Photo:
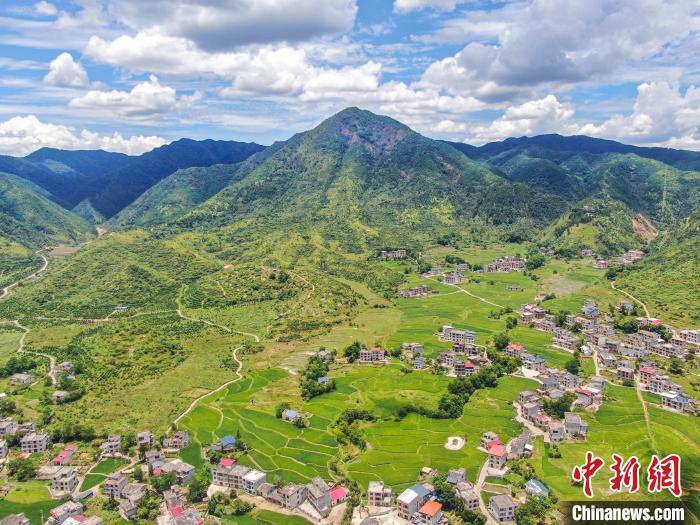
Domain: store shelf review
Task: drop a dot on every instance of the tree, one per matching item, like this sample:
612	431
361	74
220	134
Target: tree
535	261
240	507
7	407
511	322
676	366
280	408
573	366
163	482
197	489
558	407
501	340
21	469
352	352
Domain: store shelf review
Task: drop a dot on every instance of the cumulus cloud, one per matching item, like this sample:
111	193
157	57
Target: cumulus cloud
66	72
545	45
44	8
23	134
145	99
545	115
225	24
404	6
662	115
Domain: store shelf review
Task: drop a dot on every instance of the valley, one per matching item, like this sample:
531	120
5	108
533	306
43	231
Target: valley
231	300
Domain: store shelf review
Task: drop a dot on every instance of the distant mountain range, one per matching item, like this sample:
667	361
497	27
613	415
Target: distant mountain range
365	180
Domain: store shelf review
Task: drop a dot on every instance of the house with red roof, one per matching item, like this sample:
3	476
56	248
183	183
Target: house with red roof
497	455
339	495
646	374
513	350
430	513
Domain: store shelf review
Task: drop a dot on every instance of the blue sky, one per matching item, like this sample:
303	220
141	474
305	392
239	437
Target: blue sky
129	75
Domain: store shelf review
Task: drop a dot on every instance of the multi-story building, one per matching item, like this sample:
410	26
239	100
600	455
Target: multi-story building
458	336
502	507
378	494
34	442
114	485
252	481
179	440
410	500
319	495
112	446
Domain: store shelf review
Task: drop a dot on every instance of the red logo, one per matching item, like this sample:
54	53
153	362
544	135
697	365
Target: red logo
665	474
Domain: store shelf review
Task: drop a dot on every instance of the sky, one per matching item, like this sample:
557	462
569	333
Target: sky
131	75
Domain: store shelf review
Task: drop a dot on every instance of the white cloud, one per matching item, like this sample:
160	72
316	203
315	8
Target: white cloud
225	24
404	6
23	134
545	115
66	72
523	48
44	8
145	99
662	115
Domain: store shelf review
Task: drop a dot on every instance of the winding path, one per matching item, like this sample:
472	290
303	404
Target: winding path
468	293
646	310
21	350
6	291
238	377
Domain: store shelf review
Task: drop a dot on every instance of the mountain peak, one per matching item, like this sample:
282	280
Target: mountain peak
377	134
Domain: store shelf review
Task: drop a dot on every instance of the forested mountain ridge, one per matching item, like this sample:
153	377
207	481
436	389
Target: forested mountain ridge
107	182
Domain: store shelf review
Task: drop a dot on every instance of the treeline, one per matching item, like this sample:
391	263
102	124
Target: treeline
460	389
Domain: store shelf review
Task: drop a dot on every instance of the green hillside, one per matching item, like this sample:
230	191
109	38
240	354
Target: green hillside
366	181
669	278
174	196
29	217
605	226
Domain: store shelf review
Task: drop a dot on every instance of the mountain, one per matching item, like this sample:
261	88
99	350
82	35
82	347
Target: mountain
98	184
682	159
123	185
581	168
365	180
173	196
29	217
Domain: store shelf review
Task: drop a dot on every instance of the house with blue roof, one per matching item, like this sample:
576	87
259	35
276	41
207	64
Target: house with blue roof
536	488
225	444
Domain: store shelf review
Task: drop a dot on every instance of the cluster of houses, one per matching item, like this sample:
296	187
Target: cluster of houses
629	257
418	504
417	291
463	337
315	499
530	409
373	355
507	264
538	317
671	393
393	254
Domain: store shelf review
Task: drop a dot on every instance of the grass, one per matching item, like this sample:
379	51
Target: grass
265	517
100	472
32	498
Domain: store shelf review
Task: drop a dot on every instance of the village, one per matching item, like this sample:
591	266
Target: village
152	474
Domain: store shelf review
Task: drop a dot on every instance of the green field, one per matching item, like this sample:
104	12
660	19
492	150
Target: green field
265	517
30	497
100	472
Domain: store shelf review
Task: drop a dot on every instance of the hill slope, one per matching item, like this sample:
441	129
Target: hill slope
682	159
366	180
98	184
29	217
669	278
174	196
